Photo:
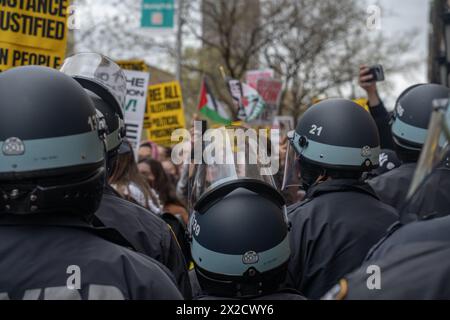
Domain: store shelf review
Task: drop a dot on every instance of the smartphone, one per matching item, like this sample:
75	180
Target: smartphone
377	72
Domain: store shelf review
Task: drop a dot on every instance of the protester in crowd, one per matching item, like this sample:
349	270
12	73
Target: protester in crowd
159	180
171	171
164	153
127	181
376	107
148	149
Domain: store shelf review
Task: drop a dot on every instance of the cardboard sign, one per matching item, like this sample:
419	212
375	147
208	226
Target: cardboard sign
136	65
252	76
165	107
33	33
270	90
137	84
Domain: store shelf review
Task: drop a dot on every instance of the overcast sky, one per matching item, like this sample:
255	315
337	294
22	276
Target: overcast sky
403	15
396	16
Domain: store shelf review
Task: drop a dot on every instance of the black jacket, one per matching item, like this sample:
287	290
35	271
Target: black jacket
382	119
147	233
392	187
332	231
435	230
417	271
42	257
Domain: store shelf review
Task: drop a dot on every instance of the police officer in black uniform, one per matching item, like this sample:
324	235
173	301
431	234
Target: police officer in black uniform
412	260
341	217
429	200
52	173
409	129
105	83
239	229
417	271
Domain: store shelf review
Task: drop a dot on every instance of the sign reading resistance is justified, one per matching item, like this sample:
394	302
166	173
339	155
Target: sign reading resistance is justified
32	33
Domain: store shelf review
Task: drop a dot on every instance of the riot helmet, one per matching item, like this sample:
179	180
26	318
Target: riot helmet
238	225
334	138
52	156
106	84
411	118
428	195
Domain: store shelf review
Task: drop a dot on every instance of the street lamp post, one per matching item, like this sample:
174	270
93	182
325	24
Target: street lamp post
179	41
444	62
443	72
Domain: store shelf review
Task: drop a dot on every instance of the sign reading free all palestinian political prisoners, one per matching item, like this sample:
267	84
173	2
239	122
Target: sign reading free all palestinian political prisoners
165	107
32	32
137	84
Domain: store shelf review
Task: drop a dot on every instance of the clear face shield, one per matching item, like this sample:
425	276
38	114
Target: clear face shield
295	184
227	155
291	177
428	195
94	68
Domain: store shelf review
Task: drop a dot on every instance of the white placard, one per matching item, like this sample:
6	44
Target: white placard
137	88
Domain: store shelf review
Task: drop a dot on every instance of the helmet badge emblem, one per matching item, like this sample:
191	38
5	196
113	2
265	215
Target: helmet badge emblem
366	151
400	110
13	147
250	257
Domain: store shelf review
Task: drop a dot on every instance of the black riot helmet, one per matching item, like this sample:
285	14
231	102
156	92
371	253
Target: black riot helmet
411	117
105	82
52	150
238	227
428	195
335	138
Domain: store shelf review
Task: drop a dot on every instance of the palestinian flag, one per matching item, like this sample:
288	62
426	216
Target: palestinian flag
211	108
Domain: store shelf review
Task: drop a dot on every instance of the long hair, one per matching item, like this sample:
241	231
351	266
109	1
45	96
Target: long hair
162	183
126	174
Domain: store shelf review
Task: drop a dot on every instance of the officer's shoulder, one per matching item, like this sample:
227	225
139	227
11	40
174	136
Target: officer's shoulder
151	273
402	171
423	230
138	260
127	207
104	249
297	207
420	268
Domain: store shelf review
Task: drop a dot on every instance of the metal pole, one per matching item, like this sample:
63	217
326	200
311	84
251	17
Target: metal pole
179	40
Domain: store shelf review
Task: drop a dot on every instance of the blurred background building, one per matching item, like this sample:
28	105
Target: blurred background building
439	42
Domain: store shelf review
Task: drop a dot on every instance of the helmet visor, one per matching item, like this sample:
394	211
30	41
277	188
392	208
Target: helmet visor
428	194
230	154
99	69
291	176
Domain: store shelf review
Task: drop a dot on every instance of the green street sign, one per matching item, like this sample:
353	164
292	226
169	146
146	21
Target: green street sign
158	14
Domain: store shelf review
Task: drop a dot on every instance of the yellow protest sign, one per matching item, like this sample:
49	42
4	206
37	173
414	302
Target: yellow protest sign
33	32
363	102
165	111
136	65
